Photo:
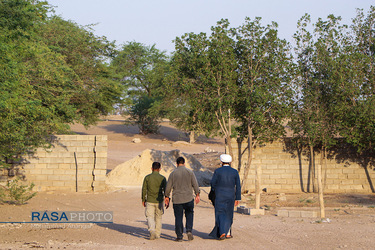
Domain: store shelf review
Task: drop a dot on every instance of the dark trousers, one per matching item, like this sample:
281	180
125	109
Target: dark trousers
179	210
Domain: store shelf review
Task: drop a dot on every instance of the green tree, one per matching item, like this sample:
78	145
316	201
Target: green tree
207	76
264	96
142	70
40	92
323	76
95	87
356	95
25	121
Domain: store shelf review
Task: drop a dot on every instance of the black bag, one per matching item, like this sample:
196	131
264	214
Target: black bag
211	196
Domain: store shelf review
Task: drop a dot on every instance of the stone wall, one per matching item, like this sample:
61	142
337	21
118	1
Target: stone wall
287	171
74	163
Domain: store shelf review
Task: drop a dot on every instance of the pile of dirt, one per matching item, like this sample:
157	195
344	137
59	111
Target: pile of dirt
132	173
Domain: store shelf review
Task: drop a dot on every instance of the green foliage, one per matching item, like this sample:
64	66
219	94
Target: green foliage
20	15
265	95
2	194
356	98
52	73
17	193
335	81
92	86
142	71
206	80
142	115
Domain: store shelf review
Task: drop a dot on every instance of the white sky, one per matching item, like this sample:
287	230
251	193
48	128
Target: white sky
161	21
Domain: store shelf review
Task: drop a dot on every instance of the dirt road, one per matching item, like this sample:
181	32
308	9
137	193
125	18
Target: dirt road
351	226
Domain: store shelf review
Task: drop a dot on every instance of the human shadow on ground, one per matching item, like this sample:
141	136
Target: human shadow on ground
141	232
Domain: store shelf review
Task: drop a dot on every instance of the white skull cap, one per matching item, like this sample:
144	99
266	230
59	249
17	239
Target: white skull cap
225	158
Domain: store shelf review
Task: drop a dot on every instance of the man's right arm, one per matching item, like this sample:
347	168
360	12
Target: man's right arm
194	183
168	190
144	190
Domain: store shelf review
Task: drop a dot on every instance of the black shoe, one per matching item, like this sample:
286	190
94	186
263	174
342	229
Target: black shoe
178	239
190	236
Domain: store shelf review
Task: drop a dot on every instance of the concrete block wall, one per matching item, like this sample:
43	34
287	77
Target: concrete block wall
74	163
284	171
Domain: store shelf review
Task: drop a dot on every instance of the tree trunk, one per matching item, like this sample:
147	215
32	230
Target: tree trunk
320	186
312	171
229	139
226	131
249	158
258	175
191	137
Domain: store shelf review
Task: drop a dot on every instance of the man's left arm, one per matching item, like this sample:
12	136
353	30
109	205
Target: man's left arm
238	190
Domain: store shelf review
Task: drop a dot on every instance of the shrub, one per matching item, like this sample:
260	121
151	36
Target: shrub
18	193
2	194
144	117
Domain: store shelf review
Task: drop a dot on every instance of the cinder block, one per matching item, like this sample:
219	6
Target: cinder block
101	154
63	166
287	176
88	154
70	172
281	181
293	213
101	144
88	143
347	171
69	160
100	177
254	211
309	214
84	149
99	188
243	210
353	176
268	181
292	181
41	154
67	177
346	182
101	166
356	187
58	183
40	177
70	183
101	160
279	172
52	177
85	177
47	171
54	165
76	143
35	171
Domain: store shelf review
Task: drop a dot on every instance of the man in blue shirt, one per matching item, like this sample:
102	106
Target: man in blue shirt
226	184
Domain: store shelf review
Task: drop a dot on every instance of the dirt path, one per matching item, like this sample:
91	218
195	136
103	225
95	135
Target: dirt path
352	230
351	226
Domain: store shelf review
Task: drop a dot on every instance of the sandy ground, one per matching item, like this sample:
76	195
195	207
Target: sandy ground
351	216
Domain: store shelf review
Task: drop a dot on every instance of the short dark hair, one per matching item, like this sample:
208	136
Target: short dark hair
156	165
180	160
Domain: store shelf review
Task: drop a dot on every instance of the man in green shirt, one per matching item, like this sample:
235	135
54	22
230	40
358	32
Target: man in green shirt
153	190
